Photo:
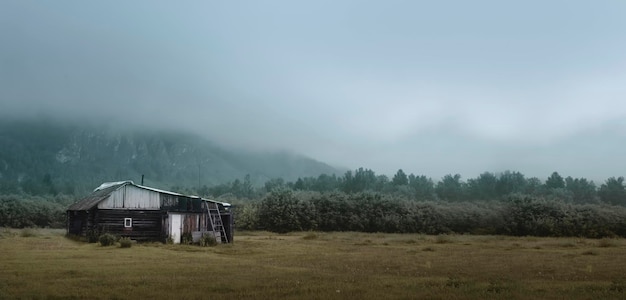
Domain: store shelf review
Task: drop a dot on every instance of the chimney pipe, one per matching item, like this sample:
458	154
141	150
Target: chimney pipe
141	179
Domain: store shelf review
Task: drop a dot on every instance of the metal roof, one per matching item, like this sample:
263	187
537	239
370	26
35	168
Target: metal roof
95	197
104	191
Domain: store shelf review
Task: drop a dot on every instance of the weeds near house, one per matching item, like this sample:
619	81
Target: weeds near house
186	238
93	236
126	242
107	239
207	240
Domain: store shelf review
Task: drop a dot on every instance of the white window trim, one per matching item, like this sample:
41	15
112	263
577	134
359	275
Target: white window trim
128	222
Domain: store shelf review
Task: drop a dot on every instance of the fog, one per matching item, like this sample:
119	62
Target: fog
432	88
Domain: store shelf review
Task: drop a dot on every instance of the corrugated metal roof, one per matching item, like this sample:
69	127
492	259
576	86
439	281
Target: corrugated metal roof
104	191
95	198
109	184
176	194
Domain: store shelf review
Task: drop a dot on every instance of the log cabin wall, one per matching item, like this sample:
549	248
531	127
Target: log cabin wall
136	224
141	213
78	223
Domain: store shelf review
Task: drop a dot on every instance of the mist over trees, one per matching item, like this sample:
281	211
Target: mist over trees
51	156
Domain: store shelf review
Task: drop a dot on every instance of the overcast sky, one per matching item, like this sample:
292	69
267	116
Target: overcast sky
432	87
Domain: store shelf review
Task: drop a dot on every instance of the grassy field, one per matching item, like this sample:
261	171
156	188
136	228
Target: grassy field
43	264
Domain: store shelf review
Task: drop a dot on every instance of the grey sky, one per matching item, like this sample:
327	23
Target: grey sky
432	87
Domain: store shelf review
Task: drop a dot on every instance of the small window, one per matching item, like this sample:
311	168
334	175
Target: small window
128	222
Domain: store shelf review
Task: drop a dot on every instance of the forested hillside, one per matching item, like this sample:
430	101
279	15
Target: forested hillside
53	157
45	166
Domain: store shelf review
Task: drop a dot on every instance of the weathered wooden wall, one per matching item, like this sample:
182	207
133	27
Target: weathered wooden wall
227	220
132	197
146	224
79	222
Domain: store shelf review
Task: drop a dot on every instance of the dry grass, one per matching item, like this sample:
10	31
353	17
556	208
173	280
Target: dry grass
317	265
607	242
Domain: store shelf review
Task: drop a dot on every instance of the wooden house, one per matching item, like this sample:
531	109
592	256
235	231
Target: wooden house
148	214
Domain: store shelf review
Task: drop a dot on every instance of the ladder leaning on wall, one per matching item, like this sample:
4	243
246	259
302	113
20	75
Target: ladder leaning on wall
215	219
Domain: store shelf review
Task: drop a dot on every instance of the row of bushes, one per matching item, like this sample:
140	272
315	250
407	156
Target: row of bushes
108	239
33	211
519	215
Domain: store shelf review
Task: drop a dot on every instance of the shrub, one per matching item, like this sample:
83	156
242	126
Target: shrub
169	240
247	216
92	236
310	236
107	239
607	242
126	242
186	238
279	212
443	239
28	232
207	240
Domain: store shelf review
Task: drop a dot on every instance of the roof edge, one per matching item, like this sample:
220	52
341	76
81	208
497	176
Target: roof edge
130	182
110	184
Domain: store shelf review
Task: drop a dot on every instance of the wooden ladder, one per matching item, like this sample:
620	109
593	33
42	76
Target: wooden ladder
215	218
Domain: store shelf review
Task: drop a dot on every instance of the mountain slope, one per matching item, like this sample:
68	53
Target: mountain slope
38	155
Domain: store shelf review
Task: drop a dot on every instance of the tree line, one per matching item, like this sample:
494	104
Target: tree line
19	211
506	203
451	188
361	200
487	186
